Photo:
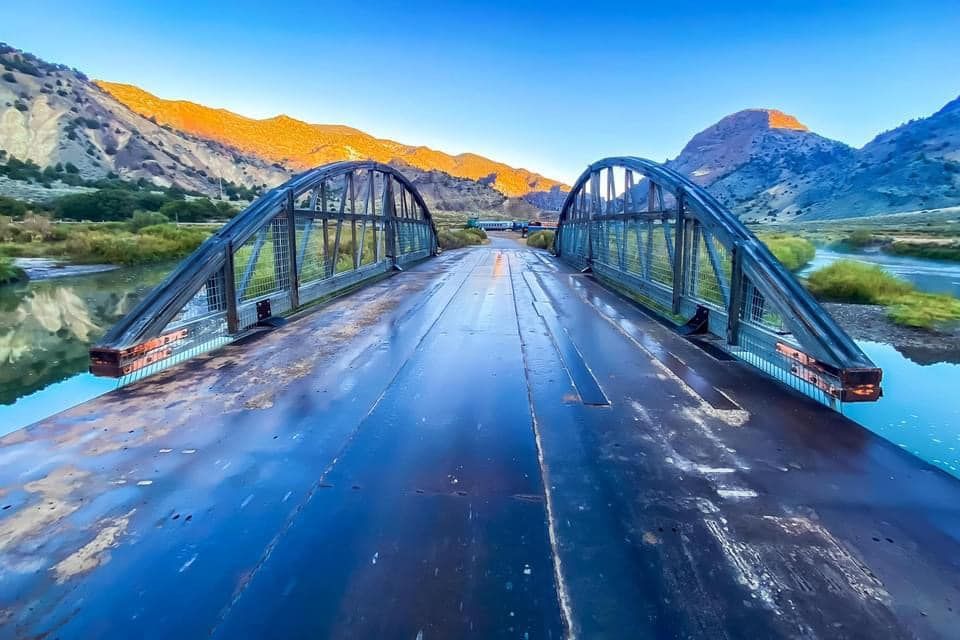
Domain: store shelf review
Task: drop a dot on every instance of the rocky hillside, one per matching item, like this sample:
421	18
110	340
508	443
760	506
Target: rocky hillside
301	145
763	163
52	114
767	166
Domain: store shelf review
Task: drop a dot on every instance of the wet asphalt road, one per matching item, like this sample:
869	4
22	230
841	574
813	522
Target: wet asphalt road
487	445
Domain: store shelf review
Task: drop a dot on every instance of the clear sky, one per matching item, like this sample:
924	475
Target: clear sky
550	86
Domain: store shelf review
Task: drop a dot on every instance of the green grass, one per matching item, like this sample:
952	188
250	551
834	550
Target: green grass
852	281
541	239
794	252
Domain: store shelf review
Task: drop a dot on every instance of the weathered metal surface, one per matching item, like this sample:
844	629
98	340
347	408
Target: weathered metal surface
708	263
415	460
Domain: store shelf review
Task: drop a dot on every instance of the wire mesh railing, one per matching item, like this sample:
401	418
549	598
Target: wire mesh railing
651	232
323	231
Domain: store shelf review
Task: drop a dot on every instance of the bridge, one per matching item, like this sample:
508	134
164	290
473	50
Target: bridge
329	428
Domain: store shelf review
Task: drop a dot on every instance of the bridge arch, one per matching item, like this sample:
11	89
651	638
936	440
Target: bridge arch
322	231
667	242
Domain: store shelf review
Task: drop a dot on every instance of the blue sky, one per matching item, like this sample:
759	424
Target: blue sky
547	86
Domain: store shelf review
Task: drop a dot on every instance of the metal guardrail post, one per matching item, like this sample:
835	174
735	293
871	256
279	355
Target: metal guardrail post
293	277
679	256
230	290
735	309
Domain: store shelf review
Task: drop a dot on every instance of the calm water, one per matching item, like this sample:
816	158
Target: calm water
47	325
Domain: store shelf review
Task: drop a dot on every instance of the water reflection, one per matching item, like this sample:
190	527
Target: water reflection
919	411
46	327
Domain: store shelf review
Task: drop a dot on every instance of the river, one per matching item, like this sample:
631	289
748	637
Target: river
46	327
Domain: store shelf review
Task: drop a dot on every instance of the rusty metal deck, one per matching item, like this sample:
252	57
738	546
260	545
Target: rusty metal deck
487	445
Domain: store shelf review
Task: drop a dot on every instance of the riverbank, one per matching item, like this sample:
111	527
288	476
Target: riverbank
870	322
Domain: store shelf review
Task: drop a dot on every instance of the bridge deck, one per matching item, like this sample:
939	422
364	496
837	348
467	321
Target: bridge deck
377	468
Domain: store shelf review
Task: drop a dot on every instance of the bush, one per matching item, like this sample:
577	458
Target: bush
859	238
793	252
852	281
10	273
9	77
142	219
20	105
457	238
541	239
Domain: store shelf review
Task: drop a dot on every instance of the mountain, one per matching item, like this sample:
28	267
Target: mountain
301	145
52	114
767	166
763	162
915	166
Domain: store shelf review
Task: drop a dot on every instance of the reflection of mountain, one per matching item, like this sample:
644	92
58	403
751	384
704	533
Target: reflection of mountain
46	327
929	355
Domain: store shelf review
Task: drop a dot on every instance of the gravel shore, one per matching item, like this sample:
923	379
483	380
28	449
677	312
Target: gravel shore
870	322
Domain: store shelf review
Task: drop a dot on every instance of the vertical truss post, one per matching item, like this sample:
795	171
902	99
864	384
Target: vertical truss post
693	265
229	290
293	277
324	227
347	187
735	308
679	256
390	221
353	220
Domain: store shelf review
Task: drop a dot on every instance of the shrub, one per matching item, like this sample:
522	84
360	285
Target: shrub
541	239
852	281
19	105
859	238
457	238
793	252
9	77
142	219
71	168
9	272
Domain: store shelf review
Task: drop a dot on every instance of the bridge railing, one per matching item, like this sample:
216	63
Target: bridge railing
323	231
665	241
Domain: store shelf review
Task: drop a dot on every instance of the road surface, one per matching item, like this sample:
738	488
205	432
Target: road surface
487	445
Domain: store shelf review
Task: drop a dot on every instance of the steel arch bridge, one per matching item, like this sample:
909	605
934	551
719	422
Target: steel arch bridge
324	230
664	240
